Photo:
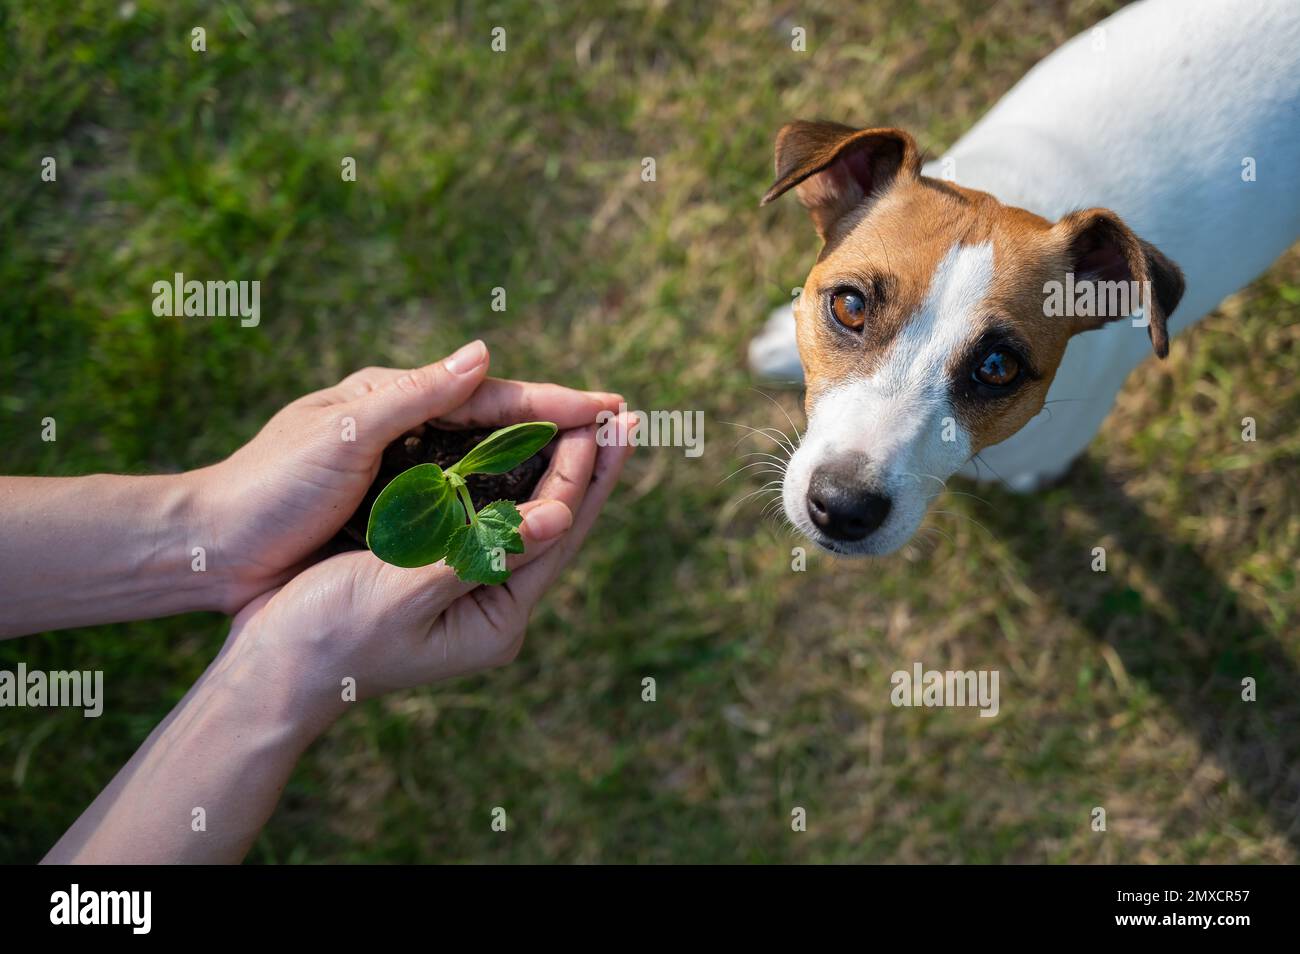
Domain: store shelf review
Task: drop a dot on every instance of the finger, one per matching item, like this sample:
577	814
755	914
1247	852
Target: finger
427	591
498	402
457	640
526	587
413	397
565	482
360	383
486	628
506	607
483	627
356	385
569	472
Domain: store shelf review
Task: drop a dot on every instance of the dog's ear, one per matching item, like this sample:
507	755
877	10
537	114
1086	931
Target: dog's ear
1101	248
833	167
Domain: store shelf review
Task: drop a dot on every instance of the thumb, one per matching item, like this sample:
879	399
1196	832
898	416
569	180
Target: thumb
419	395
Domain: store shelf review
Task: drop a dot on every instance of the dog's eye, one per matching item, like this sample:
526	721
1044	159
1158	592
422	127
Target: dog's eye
849	308
999	368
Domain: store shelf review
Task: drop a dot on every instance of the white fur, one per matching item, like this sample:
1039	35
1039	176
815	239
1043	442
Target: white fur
1151	114
896	420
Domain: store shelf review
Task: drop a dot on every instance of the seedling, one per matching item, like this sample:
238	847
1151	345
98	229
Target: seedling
425	514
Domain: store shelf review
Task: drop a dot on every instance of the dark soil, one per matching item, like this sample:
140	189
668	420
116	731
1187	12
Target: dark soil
433	445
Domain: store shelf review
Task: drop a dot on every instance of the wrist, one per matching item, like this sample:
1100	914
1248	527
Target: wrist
194	511
287	695
102	549
210	521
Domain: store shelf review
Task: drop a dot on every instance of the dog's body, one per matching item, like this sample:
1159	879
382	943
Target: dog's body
1181	117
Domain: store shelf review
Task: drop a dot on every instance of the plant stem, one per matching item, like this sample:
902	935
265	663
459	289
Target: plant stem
466	500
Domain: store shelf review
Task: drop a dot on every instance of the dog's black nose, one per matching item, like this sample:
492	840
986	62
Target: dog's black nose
842	508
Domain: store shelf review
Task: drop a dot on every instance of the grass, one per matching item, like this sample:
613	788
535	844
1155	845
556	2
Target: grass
522	170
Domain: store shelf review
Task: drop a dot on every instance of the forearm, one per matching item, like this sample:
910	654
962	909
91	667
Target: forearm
75	551
200	788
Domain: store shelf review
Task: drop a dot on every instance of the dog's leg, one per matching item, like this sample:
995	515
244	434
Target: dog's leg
774	353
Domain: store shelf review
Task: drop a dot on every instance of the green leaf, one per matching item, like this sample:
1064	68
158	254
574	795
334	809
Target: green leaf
505	449
478	550
414	517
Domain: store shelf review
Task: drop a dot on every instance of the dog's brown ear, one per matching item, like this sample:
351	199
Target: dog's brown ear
835	167
1101	248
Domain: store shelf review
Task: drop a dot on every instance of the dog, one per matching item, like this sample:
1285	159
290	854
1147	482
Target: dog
1156	155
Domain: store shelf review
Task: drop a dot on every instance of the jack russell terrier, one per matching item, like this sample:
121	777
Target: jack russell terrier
1124	187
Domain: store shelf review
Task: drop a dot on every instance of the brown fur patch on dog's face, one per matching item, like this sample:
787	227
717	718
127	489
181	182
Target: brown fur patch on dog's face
889	253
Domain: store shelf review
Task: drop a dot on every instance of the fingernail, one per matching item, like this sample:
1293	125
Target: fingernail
632	423
466	359
548	519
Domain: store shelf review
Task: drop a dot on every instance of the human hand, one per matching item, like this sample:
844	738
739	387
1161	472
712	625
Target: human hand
269	508
281	676
388	628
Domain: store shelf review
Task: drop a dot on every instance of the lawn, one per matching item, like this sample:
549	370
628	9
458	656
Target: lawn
522	170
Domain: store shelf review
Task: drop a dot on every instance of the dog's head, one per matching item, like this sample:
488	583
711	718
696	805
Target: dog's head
930	326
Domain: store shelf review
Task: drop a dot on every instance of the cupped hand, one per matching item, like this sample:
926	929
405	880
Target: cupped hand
269	508
353	617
